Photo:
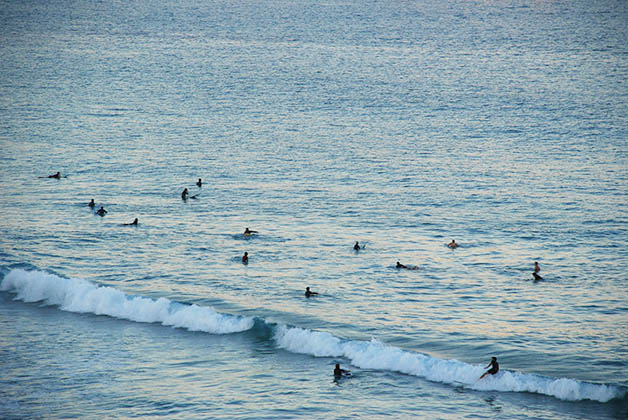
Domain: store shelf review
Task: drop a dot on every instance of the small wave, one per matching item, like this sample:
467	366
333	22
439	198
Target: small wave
82	296
376	355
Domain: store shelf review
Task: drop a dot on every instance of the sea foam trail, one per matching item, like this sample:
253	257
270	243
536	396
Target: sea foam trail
376	355
78	295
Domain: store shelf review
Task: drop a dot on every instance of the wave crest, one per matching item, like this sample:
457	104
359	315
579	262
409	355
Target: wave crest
79	295
376	355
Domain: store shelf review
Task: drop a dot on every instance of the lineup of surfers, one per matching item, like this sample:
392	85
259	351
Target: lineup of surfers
338	372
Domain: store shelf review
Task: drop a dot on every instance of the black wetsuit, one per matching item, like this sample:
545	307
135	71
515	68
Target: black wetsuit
494	367
340	372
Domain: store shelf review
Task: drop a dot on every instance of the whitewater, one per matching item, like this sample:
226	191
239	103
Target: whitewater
78	295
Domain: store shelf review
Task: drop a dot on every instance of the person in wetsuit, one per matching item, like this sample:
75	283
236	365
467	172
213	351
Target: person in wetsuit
248	232
453	244
101	211
338	373
133	223
245	258
356	246
184	194
309	293
92	204
535	273
494	367
399	265
199	183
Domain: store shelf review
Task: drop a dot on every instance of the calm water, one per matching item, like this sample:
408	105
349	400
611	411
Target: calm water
400	125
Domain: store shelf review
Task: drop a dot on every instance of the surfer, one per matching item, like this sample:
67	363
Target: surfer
92	204
199	183
56	176
249	232
101	211
536	271
356	246
339	373
245	258
494	367
309	293
184	194
453	244
407	267
133	223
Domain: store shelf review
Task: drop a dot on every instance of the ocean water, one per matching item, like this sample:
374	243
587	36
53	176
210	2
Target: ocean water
401	125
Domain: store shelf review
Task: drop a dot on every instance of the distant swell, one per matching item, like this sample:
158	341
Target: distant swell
78	295
376	355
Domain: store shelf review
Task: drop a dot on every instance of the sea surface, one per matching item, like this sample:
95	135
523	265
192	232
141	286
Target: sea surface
398	124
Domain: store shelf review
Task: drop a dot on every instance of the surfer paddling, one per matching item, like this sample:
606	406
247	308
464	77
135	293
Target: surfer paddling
452	244
249	232
55	176
133	223
399	266
494	367
309	293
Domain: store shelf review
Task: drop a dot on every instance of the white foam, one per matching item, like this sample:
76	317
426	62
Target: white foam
78	295
376	355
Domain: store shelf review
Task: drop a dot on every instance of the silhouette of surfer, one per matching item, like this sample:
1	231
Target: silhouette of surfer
494	367
357	246
339	373
536	271
245	258
199	183
309	293
92	204
133	223
184	194
101	211
452	244
56	176
249	232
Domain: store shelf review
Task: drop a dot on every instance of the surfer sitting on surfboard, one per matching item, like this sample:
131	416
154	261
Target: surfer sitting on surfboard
535	274
494	367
